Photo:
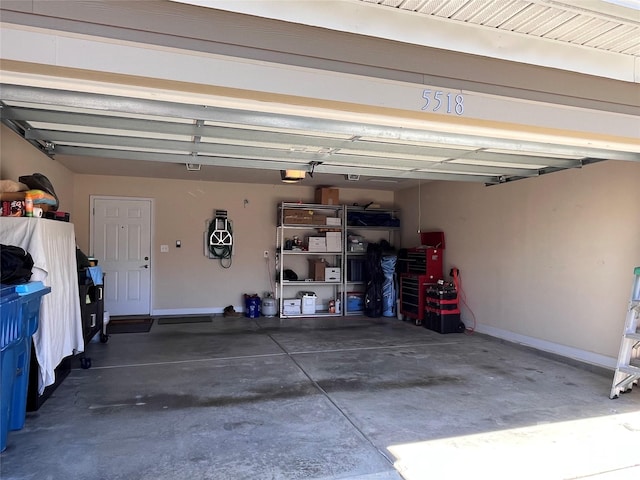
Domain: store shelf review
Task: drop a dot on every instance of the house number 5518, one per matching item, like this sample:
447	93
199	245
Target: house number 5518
436	100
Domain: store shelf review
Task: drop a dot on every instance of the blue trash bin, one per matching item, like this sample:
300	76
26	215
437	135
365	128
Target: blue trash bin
10	336
31	297
252	306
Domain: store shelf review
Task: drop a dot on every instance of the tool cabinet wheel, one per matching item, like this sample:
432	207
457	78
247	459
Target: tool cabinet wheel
104	338
85	363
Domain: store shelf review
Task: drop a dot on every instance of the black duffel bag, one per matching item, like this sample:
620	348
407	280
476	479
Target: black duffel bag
17	265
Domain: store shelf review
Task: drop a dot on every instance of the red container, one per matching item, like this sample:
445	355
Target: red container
413	295
426	261
432	239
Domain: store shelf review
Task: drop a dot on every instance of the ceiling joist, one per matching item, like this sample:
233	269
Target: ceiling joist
106	126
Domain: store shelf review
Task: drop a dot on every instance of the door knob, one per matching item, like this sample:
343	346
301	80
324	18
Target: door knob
144	266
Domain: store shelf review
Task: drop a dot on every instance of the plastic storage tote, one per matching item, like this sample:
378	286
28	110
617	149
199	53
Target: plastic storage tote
10	336
31	297
252	306
19	318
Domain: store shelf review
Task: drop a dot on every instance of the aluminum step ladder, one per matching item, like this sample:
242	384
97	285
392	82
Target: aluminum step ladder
628	367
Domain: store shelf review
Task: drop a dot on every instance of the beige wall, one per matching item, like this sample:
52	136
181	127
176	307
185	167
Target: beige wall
545	261
18	157
183	279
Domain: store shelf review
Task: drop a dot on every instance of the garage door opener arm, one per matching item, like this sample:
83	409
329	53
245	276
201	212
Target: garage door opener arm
627	374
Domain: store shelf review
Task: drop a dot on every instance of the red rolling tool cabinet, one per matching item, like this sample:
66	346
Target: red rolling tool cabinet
424	269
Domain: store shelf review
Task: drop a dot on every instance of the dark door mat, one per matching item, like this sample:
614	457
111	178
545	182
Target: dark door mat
129	325
173	320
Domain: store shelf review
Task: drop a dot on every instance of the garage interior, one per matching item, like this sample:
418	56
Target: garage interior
511	126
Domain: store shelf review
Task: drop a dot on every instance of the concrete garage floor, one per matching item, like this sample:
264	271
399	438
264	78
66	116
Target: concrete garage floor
349	398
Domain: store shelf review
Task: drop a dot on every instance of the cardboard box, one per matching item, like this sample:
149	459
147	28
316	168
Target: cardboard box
334	221
13	208
333	241
291	306
296	216
316	244
318	219
332	274
301	216
316	269
328	196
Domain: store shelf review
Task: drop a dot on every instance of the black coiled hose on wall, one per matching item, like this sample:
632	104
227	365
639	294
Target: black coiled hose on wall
221	252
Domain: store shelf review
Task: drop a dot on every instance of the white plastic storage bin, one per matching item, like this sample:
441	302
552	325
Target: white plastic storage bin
333	241
291	306
317	244
308	304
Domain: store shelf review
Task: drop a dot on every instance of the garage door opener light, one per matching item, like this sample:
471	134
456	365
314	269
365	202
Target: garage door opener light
292	176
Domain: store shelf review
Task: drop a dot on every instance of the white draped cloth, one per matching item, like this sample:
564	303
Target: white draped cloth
52	244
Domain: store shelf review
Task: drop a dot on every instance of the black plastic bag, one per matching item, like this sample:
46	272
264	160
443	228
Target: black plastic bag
17	265
375	279
290	275
82	260
38	181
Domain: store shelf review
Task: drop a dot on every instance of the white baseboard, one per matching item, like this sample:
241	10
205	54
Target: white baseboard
555	348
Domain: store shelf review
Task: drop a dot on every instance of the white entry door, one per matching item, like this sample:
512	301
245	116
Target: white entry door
121	242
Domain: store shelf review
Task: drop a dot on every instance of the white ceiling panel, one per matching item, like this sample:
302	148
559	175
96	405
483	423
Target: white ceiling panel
578	23
547	22
450	8
615	38
523	20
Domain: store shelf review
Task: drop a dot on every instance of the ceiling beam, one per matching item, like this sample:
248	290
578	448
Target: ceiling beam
391	164
119	123
134	106
267	165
